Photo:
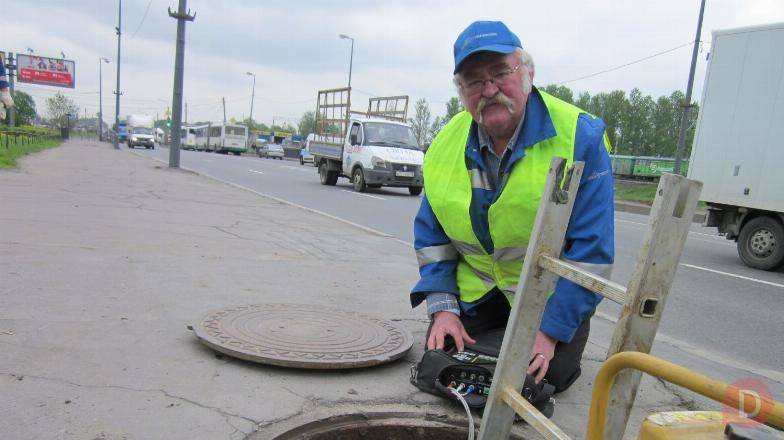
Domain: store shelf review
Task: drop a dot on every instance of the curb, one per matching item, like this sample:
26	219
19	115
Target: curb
642	209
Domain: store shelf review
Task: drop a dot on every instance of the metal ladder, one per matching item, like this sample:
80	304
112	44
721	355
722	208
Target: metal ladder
643	299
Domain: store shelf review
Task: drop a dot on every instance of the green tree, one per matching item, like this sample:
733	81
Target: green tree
637	125
614	105
666	120
421	122
561	92
59	108
25	108
307	123
435	127
251	124
453	107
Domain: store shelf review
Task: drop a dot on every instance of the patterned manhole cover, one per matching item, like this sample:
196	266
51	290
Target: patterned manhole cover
303	336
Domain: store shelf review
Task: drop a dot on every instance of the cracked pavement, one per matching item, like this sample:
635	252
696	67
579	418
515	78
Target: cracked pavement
106	258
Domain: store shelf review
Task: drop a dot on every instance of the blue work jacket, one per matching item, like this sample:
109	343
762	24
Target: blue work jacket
589	237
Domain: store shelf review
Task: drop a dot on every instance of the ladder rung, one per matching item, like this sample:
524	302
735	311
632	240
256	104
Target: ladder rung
590	281
532	416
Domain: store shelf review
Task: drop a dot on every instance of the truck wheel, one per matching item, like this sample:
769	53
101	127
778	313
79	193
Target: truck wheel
415	190
327	177
358	179
761	243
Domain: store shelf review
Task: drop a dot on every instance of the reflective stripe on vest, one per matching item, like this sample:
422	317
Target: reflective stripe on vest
448	186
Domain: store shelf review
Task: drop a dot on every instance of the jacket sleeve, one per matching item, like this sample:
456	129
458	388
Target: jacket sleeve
590	241
3	76
436	256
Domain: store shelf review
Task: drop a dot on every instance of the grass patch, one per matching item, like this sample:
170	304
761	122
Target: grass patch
9	155
642	192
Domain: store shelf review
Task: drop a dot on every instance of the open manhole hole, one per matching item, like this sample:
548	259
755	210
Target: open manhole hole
382	426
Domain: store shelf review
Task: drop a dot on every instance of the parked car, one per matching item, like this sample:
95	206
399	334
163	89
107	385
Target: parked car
268	150
305	157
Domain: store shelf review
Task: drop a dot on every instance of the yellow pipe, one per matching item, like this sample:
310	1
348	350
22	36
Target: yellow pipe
719	391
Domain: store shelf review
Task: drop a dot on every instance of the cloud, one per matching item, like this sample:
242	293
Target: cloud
402	47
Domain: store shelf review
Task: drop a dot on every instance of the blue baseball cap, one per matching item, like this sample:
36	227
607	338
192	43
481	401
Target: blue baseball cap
479	36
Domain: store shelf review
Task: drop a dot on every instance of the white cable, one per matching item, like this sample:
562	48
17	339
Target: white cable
468	412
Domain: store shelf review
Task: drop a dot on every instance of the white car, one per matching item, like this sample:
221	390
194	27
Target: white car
274	151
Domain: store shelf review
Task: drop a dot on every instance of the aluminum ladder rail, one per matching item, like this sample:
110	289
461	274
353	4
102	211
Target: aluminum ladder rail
643	299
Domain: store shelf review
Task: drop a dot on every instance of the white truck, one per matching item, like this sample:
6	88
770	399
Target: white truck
141	131
372	149
738	150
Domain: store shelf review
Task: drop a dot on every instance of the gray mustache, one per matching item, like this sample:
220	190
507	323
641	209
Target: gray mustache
499	98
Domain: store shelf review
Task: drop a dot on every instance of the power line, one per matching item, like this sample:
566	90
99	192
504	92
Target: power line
143	18
627	64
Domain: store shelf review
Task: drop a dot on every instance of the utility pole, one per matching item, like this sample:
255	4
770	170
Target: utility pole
224	110
186	112
179	66
11	73
687	103
351	60
117	92
100	97
252	95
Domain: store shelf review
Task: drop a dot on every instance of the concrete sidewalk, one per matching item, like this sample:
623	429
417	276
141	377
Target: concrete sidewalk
105	259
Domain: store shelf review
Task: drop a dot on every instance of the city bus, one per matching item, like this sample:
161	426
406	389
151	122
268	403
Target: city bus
188	138
220	138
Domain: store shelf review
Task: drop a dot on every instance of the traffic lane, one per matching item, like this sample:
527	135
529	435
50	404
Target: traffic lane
388	210
708	309
704	250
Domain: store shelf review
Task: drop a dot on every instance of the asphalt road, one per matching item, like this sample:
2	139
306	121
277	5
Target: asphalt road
718	310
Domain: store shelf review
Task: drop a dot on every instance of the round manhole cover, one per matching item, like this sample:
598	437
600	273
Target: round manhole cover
303	336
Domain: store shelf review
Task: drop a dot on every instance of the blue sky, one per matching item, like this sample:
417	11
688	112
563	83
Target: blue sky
401	47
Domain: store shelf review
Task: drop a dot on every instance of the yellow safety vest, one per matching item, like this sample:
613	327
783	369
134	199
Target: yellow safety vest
448	185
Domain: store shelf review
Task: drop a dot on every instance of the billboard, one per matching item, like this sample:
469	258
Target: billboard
45	71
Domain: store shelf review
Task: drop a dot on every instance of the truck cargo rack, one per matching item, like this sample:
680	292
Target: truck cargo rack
332	114
394	108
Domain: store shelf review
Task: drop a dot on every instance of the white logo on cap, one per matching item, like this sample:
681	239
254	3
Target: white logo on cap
470	39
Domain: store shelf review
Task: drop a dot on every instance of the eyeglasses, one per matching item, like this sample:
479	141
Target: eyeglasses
499	79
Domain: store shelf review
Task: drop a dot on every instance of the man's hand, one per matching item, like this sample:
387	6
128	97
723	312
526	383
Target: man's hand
543	352
447	323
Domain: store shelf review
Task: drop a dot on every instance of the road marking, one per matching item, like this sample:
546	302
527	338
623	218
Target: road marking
712	241
256	171
733	275
296	169
709	355
363	195
716	238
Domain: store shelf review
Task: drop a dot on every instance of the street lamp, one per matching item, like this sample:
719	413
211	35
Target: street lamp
351	60
100	98
252	95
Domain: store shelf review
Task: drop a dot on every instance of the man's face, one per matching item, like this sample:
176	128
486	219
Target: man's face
498	108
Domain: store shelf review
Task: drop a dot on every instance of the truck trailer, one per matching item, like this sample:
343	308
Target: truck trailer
372	149
738	150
